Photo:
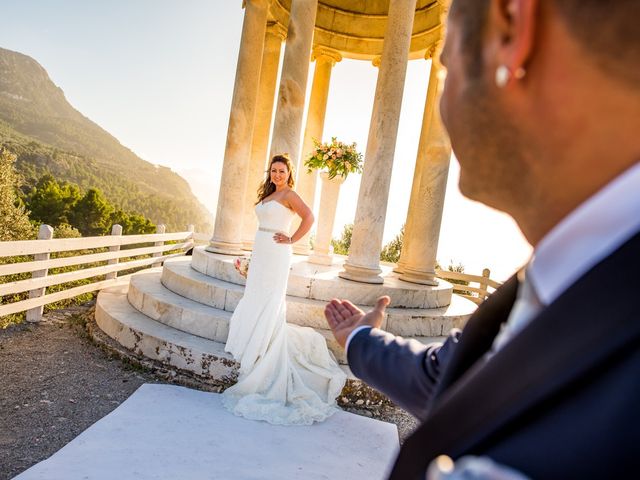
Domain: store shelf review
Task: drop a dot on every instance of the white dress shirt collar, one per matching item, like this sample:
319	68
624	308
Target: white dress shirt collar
586	236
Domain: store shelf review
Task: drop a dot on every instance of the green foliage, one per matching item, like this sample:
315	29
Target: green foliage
62	203
14	220
341	245
92	214
391	251
132	223
50	137
51	202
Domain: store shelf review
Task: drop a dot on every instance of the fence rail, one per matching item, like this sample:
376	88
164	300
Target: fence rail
113	261
116	259
462	284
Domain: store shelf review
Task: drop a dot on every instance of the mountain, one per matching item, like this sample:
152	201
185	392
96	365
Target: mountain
48	135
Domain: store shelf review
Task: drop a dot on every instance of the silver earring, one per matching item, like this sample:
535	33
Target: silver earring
502	76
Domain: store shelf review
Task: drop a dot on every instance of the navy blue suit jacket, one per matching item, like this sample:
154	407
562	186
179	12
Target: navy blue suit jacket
561	400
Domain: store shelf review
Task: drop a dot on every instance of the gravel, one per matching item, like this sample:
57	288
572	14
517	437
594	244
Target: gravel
56	382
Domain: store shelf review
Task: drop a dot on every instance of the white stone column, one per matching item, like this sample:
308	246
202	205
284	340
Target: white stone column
276	33
432	94
293	80
421	245
306	182
363	264
227	232
329	203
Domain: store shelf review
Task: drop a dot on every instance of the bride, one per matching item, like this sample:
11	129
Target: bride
287	375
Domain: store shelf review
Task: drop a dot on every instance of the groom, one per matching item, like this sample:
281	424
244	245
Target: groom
542	103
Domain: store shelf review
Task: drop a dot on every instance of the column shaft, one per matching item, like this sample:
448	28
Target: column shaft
363	264
421	247
329	197
227	231
262	125
306	182
293	80
432	94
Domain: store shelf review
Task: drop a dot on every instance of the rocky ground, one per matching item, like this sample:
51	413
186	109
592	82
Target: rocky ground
55	382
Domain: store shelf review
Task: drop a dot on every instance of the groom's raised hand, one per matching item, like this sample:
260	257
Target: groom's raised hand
343	317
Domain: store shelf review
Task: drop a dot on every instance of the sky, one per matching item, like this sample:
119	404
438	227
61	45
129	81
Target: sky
159	76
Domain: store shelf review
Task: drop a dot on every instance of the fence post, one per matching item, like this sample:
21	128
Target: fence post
159	229
115	230
35	314
485	285
191	229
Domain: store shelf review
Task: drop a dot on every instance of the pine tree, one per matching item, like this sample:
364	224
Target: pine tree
341	245
14	218
391	251
92	214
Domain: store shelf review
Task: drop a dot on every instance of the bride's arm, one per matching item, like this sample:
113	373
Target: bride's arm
297	205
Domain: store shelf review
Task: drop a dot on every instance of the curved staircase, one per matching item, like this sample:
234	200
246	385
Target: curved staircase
179	314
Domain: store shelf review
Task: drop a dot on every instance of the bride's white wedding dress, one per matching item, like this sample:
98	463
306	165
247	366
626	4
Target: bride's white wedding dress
287	375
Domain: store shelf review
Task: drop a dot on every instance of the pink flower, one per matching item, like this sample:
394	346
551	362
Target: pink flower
325	156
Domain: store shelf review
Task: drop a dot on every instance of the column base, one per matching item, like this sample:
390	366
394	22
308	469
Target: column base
419	277
399	268
247	245
301	249
320	259
225	248
361	274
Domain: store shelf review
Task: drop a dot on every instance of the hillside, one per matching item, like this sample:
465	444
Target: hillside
49	136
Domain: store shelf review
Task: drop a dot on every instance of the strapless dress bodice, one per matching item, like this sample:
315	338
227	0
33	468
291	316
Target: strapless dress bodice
273	215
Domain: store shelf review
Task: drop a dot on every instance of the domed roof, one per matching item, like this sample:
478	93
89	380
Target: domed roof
355	28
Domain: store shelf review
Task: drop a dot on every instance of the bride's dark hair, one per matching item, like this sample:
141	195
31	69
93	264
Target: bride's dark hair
268	187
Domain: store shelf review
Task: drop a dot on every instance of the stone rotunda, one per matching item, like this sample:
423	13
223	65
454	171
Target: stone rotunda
179	313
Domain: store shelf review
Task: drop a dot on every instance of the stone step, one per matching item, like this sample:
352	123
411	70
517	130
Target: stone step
135	331
321	282
149	297
179	277
117	318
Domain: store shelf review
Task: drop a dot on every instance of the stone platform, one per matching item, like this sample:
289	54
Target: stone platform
179	314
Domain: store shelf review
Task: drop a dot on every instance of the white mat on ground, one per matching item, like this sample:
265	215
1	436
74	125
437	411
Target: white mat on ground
169	432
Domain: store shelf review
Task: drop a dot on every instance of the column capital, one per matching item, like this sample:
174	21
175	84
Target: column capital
263	3
433	51
277	29
376	61
325	54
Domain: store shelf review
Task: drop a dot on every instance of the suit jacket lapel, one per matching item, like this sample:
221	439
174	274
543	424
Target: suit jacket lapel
479	333
574	334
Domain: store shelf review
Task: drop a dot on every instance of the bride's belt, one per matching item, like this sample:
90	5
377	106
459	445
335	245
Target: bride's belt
272	230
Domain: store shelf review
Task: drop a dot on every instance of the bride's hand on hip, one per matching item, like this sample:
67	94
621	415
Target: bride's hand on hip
281	238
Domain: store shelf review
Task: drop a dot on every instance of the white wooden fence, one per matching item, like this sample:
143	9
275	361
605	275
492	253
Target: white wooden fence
478	294
147	250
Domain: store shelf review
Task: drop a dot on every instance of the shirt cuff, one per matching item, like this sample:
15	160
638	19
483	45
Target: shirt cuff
353	333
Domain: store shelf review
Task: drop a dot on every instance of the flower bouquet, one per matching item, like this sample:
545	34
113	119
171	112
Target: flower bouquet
242	265
336	158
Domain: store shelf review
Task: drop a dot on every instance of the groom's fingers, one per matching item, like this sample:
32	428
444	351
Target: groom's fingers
382	303
341	309
351	308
